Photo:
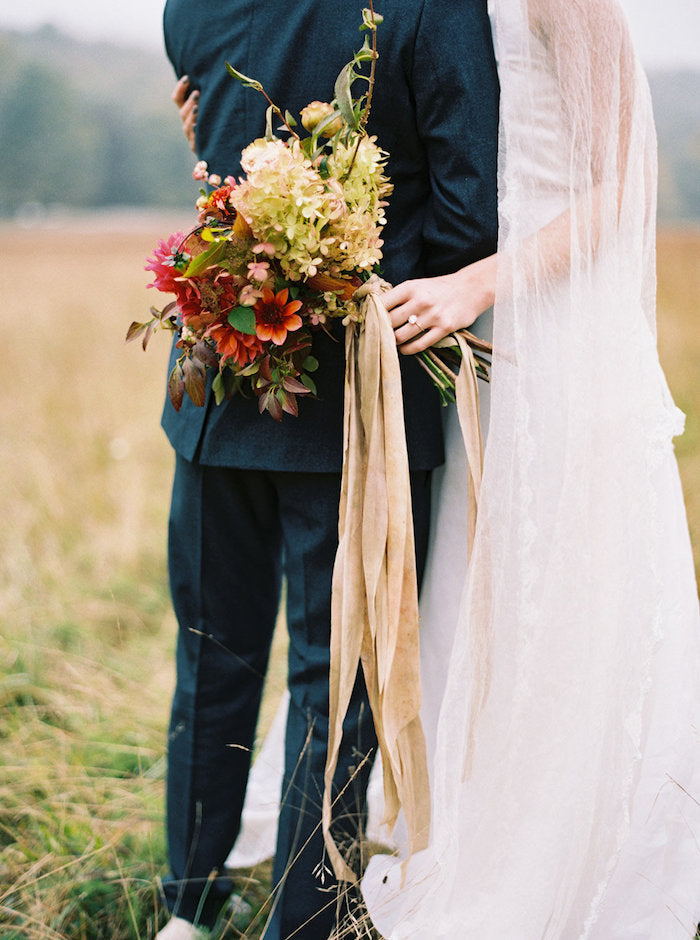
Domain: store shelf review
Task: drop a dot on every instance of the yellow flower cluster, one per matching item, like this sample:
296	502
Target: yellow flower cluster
365	189
318	219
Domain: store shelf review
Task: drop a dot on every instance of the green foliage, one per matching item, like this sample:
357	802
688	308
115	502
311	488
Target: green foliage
88	125
91	125
243	320
211	256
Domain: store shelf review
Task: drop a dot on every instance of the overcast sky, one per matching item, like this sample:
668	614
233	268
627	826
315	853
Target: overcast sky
667	32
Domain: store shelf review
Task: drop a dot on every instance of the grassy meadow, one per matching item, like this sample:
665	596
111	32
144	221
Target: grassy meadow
86	630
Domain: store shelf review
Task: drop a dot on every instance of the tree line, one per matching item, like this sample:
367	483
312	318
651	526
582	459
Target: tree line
91	125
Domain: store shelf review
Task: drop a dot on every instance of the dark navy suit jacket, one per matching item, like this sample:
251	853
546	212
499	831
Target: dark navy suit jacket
435	109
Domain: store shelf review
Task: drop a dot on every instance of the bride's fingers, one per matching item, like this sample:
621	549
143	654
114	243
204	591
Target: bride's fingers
409	328
395	299
422	341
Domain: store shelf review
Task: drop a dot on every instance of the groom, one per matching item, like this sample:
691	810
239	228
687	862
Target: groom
254	500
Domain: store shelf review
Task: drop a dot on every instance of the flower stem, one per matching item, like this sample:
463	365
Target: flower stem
370	90
279	113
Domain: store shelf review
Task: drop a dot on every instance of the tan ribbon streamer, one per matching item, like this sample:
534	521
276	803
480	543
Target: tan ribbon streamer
374	611
467	395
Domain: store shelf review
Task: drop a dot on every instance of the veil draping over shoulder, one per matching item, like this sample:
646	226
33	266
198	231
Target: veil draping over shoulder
566	774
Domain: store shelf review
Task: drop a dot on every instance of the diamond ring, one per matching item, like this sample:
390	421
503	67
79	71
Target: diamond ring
413	320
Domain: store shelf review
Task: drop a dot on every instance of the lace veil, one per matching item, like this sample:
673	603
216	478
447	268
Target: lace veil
566	774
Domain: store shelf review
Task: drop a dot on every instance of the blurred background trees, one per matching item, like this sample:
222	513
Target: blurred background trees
91	126
88	125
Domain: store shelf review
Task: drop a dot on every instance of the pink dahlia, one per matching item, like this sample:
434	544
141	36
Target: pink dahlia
168	262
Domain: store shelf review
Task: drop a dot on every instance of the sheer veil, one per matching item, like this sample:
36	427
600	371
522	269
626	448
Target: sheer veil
566	773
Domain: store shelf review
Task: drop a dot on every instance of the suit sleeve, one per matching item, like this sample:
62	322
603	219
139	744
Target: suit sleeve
174	25
456	92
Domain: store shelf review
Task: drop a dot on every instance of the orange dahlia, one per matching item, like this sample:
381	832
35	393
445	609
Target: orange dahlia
275	316
231	344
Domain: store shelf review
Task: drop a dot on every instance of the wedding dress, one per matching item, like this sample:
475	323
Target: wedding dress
566	768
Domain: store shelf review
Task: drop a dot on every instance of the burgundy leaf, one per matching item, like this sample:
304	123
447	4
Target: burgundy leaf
147	334
274	407
134	330
293	385
176	387
265	370
195	381
166	310
289	404
206	355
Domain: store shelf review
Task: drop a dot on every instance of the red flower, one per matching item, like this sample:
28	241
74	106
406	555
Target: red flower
242	348
202	300
189	300
274	317
168	262
218	204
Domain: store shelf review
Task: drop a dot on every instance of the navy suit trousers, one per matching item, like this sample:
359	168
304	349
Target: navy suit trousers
233	535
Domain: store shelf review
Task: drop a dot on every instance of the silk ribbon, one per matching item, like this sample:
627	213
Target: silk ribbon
374	609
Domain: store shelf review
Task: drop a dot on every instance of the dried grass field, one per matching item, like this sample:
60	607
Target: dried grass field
86	631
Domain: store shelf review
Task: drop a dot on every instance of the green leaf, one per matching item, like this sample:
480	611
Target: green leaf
370	20
243	320
251	369
326	122
343	94
308	382
206	259
248	82
310	364
218	388
365	53
233	383
289	118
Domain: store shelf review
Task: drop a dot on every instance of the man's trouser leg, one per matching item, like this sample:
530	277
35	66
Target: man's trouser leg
225	570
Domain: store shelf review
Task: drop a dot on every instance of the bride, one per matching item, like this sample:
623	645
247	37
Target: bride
566	764
561	699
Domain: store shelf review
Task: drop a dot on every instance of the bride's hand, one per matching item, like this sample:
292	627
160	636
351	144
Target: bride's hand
187	102
427	309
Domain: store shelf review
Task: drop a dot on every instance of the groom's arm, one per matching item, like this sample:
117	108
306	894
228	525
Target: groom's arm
456	92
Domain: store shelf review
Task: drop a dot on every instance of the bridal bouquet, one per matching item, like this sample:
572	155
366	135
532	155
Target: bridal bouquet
280	252
277	253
